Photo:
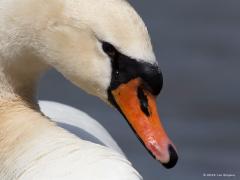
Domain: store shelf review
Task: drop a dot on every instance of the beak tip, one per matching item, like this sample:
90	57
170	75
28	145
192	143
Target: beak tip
173	158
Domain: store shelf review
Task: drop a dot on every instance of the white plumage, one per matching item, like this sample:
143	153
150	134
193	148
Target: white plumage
36	35
37	149
79	122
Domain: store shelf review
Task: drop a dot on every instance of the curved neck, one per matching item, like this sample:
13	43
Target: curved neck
19	77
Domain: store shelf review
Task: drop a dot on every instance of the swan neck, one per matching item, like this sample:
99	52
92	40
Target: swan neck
19	78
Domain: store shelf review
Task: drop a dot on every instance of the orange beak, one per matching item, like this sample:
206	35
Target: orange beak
139	108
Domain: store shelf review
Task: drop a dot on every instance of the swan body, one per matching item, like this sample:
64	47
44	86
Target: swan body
78	123
103	47
49	152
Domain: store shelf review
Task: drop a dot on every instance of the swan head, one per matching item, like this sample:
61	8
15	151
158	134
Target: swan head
104	48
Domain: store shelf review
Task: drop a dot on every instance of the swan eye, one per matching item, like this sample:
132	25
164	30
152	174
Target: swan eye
109	49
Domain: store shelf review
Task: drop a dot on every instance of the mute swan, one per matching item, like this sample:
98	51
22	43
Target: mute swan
102	47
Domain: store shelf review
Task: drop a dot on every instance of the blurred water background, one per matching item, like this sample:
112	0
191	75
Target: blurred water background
197	43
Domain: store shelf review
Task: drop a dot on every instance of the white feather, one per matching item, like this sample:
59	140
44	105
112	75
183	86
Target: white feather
68	115
62	34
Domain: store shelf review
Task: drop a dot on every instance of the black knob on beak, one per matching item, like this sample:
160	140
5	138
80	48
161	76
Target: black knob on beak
125	69
152	77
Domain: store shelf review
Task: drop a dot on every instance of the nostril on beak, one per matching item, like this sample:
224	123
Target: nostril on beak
173	158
